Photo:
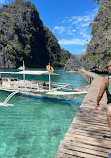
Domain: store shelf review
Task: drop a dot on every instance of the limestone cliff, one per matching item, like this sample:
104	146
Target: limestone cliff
23	36
98	50
72	64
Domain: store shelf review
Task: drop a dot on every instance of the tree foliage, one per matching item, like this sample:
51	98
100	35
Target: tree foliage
97	1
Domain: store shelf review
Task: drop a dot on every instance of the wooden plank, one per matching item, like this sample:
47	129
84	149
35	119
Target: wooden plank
95	144
83	149
96	128
86	124
85	145
90	121
84	115
90	140
95	119
89	133
78	153
62	155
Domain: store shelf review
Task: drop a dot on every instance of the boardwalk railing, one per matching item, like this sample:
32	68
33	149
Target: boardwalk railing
87	76
85	137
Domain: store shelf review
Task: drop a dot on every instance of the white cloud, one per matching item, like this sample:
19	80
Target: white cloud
87	18
72	42
80	19
59	29
70	31
86	35
75	29
2	1
67	30
85	24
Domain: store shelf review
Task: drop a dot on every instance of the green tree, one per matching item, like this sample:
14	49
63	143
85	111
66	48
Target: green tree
53	47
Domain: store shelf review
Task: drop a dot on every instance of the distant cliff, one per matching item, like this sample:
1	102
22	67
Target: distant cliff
98	50
23	36
72	64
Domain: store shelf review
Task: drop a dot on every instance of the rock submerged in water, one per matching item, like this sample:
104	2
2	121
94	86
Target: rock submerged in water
72	64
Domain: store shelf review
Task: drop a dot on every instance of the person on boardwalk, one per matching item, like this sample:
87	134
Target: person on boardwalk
106	86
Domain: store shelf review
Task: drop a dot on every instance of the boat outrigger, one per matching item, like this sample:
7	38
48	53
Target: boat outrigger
51	90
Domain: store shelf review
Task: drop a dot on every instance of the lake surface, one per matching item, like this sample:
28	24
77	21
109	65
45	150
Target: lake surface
33	128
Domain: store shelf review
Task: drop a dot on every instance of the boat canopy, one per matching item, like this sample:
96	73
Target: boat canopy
27	72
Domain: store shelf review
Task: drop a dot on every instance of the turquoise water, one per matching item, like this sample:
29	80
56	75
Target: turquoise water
33	128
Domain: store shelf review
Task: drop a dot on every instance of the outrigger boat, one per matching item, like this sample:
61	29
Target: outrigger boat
50	90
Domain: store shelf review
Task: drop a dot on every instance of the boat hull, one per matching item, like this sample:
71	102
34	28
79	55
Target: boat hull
49	98
45	94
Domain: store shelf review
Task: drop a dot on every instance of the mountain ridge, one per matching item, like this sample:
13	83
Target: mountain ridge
24	37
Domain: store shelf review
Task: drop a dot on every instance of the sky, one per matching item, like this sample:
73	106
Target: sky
68	20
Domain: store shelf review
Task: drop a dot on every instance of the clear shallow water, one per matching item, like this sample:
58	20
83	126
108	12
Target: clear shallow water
33	128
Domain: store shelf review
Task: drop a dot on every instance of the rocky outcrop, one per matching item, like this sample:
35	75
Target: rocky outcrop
65	55
72	64
98	50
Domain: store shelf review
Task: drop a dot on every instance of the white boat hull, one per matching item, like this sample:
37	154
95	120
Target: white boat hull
41	94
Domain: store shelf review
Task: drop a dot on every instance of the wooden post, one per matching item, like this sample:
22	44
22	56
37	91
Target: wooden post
49	79
24	71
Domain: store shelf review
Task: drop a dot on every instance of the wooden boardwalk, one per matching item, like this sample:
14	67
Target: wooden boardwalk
84	138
